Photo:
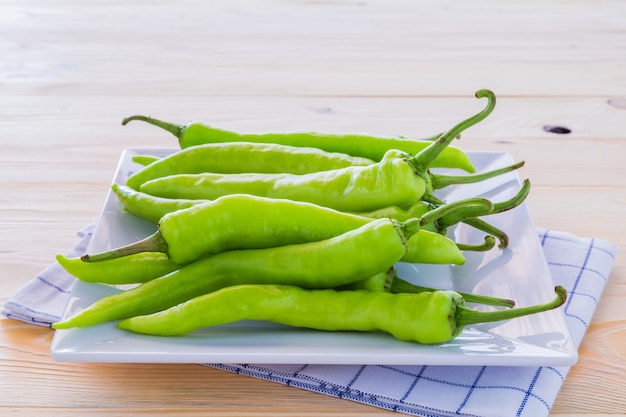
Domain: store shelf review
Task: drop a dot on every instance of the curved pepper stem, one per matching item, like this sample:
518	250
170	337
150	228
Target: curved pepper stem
488	244
389	281
398	285
514	201
475	210
176	130
456	208
421	161
480	224
441	181
470	216
466	316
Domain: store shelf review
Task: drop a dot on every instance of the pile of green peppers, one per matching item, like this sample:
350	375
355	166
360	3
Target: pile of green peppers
300	228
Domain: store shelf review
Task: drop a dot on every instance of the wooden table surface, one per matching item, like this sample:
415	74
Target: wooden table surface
70	71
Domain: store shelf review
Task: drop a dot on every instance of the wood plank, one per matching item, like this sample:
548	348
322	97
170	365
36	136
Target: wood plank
343	48
73	70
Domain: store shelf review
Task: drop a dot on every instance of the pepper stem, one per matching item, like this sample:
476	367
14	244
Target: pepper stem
437	136
453	218
424	158
514	201
466	316
441	181
176	130
487	245
490	229
409	227
398	285
460	206
389	281
153	243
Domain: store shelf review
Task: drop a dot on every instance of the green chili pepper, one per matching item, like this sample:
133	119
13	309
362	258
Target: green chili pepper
427	317
423	247
365	146
480	224
132	269
242	221
149	207
389	281
244	157
354	255
392	181
144	159
398	179
426	247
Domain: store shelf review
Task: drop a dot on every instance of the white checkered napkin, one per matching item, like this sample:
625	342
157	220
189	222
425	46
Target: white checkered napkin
580	264
43	299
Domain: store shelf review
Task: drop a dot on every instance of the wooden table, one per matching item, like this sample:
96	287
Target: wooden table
70	71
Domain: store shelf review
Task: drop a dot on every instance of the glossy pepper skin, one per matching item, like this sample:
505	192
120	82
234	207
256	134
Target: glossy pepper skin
244	157
359	145
242	221
354	255
427	317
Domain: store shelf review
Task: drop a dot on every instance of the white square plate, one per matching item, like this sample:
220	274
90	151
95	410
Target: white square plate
519	272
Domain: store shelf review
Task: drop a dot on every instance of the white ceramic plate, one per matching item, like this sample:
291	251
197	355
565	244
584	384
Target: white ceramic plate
520	272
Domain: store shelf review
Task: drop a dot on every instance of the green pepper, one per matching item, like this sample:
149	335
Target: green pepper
427	317
242	221
244	157
424	247
365	146
149	207
433	250
393	181
144	160
396	180
352	256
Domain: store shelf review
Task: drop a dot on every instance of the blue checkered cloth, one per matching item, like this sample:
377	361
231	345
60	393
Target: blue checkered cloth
582	265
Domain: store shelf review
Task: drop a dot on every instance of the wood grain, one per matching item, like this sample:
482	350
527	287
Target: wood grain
72	70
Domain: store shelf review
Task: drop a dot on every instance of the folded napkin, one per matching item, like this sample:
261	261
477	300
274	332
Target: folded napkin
582	265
